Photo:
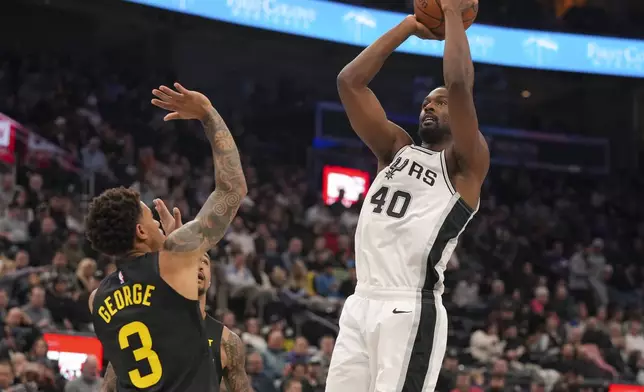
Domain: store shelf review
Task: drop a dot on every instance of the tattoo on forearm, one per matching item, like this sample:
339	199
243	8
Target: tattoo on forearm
220	208
235	376
109	380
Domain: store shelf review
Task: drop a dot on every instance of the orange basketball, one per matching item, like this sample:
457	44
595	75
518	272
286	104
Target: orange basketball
430	13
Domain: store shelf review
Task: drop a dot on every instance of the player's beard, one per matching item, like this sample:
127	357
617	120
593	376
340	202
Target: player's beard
201	291
434	134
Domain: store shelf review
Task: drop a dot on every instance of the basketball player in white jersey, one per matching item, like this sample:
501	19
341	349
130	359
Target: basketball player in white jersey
393	331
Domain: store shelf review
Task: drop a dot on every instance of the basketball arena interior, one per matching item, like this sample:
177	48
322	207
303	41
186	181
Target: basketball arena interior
544	291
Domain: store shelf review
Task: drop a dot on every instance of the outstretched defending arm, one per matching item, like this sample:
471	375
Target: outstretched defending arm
210	224
365	112
470	147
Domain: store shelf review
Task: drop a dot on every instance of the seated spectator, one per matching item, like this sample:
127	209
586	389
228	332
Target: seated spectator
297	372
89	379
319	251
59	268
84	275
275	357
292	385
239	236
38	353
251	336
60	303
540	301
7	376
326	284
293	253
313	374
466	292
513	345
72	249
300	352
255	370
324	357
14	227
634	337
19	332
464	383
485	345
46	244
562	304
36	310
348	286
241	281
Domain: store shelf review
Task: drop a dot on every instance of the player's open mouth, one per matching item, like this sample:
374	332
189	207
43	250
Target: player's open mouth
430	119
201	276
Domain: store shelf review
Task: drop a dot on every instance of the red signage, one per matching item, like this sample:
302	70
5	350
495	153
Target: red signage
354	183
625	388
71	351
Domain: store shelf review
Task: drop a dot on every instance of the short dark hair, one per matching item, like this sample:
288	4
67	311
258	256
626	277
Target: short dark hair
112	219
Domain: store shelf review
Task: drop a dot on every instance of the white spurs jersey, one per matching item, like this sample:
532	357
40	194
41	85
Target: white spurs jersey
409	223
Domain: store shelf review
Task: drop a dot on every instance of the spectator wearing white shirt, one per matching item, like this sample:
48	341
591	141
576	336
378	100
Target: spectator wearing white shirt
466	292
252	336
317	213
240	280
485	345
634	338
239	236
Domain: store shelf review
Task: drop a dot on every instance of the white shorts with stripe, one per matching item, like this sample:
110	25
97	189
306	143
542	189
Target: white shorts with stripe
389	341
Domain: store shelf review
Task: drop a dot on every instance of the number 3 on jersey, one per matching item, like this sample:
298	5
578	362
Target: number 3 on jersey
145	352
398	203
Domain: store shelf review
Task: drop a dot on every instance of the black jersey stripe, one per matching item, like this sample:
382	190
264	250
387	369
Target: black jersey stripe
448	181
452	225
421	352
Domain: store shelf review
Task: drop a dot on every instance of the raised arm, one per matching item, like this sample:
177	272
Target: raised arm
366	115
234	362
470	147
210	224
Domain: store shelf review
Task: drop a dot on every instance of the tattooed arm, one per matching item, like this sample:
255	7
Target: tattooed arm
211	222
109	380
234	360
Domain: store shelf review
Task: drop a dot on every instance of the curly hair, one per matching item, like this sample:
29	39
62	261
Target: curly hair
112	219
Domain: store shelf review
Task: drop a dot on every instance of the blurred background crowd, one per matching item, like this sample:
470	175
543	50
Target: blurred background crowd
544	292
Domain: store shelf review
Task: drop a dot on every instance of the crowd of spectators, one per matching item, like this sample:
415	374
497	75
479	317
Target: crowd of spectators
544	292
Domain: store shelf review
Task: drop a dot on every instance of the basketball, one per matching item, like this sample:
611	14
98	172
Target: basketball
430	14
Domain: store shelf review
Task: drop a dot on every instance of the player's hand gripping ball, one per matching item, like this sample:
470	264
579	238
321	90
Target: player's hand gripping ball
431	13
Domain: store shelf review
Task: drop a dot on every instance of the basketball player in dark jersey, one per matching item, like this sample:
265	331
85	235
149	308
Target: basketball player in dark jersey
227	349
146	314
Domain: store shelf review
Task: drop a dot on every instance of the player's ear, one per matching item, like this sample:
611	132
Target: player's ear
141	235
